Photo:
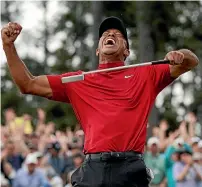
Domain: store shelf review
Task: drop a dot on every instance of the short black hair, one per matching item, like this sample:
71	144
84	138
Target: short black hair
78	155
182	151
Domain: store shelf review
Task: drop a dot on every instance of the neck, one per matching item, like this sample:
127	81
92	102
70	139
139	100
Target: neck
105	59
154	154
109	61
31	172
110	64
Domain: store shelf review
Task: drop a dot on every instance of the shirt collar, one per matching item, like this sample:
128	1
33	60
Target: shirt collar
111	65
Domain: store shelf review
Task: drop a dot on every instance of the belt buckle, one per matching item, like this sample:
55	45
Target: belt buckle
119	155
115	154
105	156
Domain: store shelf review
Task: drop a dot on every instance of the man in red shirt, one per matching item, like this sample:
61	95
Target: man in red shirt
112	107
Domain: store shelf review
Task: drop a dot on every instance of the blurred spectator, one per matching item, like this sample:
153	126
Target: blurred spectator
9	172
54	179
171	156
10	155
195	128
69	179
3	181
41	116
200	146
14	122
50	128
30	175
183	171
197	158
32	147
58	161
59	153
163	127
155	162
78	159
194	143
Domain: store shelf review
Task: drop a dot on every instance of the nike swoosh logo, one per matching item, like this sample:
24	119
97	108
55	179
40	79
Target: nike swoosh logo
128	76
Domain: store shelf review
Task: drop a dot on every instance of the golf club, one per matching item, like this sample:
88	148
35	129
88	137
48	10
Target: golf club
81	77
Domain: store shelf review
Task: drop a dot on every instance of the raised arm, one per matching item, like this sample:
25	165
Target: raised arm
182	61
27	83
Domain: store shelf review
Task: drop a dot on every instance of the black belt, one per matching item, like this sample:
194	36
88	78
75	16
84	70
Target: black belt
113	155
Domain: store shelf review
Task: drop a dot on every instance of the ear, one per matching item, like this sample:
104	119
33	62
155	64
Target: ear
126	53
97	52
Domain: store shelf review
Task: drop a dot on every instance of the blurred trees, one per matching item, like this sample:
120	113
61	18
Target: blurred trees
66	36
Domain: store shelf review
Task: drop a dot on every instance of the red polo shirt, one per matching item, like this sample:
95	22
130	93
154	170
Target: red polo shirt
113	107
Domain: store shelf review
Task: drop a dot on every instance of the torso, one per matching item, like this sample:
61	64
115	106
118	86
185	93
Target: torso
113	108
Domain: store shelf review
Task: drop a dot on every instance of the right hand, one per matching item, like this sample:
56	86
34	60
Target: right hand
10	32
4	154
189	160
163	125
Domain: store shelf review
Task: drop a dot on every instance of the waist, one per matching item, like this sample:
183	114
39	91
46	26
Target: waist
103	156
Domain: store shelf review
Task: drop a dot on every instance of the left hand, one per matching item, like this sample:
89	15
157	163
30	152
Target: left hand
175	57
162	185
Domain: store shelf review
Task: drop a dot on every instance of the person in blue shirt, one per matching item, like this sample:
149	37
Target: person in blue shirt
30	176
171	156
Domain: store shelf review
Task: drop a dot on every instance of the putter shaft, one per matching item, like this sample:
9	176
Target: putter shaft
76	78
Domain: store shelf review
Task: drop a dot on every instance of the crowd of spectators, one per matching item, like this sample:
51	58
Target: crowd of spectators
175	157
40	156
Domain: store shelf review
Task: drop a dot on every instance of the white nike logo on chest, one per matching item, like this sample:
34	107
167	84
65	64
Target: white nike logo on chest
128	76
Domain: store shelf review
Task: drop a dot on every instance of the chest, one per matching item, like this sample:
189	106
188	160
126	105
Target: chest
121	87
31	181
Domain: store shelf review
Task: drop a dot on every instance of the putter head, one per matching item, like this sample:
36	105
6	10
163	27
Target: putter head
73	78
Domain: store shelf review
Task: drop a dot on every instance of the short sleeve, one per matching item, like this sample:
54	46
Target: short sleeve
58	88
160	76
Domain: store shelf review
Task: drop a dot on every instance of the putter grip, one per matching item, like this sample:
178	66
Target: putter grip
160	62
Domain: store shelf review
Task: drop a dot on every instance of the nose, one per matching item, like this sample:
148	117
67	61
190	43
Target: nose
111	34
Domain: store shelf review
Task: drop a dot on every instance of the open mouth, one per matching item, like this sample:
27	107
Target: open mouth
109	42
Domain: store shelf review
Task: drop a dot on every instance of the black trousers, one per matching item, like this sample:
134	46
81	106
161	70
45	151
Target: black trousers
127	172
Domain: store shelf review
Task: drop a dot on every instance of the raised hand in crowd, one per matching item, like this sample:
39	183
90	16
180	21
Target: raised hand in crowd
41	116
163	127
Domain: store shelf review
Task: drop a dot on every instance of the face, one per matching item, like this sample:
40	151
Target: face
112	45
154	148
175	157
185	157
31	167
155	131
78	161
195	147
9	115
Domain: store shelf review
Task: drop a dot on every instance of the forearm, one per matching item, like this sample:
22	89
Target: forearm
163	183
190	59
182	175
191	130
198	174
17	68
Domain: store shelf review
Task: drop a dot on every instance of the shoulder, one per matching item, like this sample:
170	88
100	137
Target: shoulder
72	73
59	76
161	157
21	171
147	155
57	180
39	171
178	165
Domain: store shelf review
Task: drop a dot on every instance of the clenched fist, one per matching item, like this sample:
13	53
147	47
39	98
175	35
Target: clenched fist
10	32
175	57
